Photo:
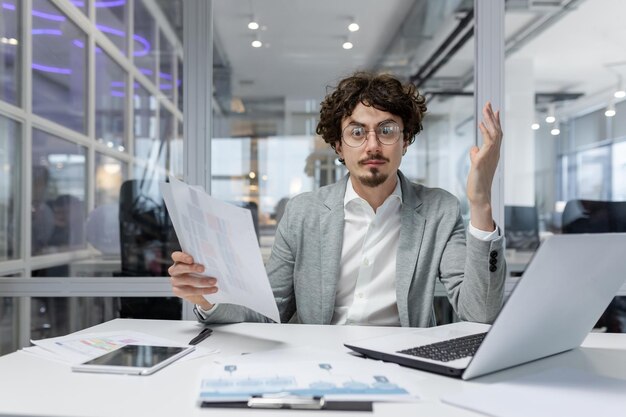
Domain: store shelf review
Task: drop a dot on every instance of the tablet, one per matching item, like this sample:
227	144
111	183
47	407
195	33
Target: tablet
134	359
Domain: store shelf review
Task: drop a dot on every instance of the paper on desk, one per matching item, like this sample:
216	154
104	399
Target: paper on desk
78	348
555	392
221	237
287	371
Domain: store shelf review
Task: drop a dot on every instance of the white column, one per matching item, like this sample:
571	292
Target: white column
489	80
519	153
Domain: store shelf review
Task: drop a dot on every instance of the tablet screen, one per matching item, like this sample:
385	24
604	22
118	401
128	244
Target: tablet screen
136	356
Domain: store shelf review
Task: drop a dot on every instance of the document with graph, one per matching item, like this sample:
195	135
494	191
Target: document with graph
221	237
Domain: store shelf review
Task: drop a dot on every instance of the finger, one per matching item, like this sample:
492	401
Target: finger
489	117
189	280
182	257
183	268
188	291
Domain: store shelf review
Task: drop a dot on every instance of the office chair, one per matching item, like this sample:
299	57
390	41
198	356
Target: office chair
521	227
147	239
590	216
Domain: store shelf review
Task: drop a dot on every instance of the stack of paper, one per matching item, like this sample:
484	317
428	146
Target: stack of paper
78	348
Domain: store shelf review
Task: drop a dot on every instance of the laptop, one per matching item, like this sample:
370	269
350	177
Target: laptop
564	290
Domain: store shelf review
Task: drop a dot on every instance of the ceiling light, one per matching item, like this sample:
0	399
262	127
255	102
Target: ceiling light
253	24
555	130
257	43
347	45
535	126
610	110
353	27
550	119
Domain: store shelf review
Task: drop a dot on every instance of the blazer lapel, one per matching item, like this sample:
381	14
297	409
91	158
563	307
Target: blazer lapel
412	225
331	239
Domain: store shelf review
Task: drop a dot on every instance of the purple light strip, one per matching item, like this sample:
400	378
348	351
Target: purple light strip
165	76
146	71
55	70
8	6
78	43
49	16
53	32
165	86
115	93
110	3
118	83
144	42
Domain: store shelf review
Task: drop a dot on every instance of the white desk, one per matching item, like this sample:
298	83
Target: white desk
33	386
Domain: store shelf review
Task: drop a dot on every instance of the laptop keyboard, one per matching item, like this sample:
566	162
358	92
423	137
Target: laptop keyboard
448	350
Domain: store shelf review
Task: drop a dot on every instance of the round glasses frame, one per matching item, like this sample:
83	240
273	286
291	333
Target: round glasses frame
355	135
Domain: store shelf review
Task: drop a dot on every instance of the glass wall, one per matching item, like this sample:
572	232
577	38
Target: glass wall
95	145
564	128
59	67
10	51
10	195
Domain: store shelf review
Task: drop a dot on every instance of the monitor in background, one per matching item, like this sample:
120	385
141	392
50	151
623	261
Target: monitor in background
521	227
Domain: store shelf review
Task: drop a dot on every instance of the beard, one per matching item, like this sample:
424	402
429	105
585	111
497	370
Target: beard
373	179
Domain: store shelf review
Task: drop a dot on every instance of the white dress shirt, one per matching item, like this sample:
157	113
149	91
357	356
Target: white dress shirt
366	290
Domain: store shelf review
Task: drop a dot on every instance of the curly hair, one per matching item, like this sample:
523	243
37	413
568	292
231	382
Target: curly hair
381	91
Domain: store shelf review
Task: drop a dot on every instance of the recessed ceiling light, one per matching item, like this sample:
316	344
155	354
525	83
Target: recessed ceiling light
535	126
550	119
353	27
347	45
257	43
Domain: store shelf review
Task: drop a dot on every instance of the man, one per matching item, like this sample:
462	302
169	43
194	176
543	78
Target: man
369	249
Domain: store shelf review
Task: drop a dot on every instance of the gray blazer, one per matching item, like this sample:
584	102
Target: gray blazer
304	266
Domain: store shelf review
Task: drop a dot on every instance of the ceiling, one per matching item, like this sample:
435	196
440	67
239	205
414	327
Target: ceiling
576	46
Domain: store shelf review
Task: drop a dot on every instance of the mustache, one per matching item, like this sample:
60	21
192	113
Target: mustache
374	158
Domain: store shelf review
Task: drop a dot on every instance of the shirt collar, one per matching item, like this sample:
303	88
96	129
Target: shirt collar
351	195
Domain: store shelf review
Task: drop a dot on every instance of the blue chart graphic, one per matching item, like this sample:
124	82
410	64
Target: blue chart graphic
233	384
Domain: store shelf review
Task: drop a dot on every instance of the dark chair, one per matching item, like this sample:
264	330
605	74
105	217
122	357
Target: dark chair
147	239
590	216
521	227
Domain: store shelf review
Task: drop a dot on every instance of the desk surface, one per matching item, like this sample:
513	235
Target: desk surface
33	386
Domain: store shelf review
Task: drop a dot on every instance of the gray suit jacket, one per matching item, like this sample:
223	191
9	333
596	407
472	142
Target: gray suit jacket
305	262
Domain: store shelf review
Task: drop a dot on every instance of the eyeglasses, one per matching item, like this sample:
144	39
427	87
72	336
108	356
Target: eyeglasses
387	133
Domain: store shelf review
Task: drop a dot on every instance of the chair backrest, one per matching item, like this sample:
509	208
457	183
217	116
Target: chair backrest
147	237
591	216
521	227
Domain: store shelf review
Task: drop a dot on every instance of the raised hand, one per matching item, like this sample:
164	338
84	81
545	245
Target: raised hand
484	161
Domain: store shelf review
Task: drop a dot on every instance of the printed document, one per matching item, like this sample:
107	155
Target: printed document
221	237
80	347
305	372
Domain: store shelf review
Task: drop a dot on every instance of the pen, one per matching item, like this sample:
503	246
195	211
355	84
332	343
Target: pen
206	332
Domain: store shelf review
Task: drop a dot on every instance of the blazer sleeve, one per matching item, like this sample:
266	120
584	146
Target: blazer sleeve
279	269
473	272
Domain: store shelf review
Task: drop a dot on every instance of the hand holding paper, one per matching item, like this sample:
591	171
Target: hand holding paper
220	237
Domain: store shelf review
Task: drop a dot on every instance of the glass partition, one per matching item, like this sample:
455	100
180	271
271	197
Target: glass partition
10	51
59	191
58	67
10	189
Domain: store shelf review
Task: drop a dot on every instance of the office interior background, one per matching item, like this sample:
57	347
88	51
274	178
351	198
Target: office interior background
91	119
